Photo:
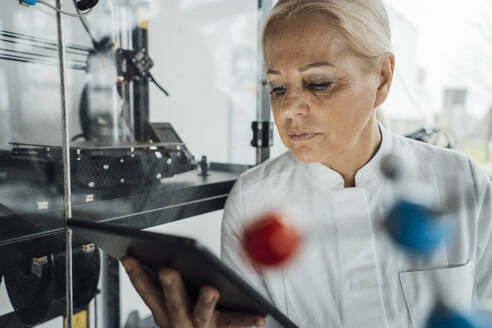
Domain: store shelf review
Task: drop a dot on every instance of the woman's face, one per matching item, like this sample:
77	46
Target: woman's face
322	96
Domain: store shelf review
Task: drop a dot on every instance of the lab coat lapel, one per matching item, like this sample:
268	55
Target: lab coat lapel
357	259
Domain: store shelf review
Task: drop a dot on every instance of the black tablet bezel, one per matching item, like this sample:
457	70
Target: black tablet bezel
118	241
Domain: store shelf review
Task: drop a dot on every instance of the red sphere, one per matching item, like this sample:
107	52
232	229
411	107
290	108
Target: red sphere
268	241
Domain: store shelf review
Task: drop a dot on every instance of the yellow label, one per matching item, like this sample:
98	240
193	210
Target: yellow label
79	320
143	18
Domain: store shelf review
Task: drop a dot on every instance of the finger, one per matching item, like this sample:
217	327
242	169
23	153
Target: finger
147	289
205	306
238	320
176	298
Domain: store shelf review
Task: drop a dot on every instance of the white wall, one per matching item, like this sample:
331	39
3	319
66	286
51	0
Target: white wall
205	55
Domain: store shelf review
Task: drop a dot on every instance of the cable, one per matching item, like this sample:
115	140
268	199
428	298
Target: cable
158	85
86	28
37	41
78	136
85	25
43	2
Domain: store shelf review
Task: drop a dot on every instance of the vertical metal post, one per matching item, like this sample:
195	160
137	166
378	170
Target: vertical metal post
124	37
141	85
110	292
489	137
262	96
67	196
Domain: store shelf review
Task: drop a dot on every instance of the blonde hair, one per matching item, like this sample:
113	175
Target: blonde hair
363	23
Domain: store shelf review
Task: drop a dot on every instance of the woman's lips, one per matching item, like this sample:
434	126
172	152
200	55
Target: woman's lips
302	136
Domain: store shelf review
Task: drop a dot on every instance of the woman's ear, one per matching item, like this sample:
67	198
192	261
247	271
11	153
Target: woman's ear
385	71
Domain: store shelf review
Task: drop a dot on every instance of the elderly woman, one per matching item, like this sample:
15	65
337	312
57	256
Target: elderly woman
329	66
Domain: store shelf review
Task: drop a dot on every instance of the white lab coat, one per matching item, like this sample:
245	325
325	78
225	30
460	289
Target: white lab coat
350	274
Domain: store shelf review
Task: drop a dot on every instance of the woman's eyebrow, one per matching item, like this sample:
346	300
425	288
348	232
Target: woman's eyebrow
305	67
271	71
317	64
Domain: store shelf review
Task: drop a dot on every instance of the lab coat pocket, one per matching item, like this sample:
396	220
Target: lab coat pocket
422	288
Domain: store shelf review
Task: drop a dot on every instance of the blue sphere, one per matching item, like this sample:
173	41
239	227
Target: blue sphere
443	317
417	229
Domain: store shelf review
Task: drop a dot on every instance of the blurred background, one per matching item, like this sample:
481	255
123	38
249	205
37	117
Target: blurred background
443	72
205	55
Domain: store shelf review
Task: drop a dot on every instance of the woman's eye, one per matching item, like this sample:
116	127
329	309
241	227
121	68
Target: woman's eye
319	86
277	92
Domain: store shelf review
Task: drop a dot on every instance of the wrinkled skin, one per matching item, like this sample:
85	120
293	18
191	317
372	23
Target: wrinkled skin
170	305
321	90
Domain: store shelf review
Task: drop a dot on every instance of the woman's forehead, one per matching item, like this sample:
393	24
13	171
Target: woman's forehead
311	36
304	46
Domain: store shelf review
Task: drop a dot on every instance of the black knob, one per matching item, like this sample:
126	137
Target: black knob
86	4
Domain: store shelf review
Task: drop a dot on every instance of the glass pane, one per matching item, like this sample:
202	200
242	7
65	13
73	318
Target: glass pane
32	238
138	157
205	53
167	99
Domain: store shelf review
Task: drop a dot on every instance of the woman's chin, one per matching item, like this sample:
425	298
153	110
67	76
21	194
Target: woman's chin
306	155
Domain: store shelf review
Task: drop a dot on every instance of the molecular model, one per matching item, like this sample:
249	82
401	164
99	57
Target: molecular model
416	227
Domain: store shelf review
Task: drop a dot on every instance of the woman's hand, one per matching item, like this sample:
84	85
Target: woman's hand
170	305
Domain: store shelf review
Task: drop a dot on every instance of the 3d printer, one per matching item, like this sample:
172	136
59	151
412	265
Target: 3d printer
118	147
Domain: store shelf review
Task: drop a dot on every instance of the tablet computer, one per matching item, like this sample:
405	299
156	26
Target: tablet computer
197	265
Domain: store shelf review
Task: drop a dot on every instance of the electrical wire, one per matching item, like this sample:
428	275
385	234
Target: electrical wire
85	25
34	41
78	136
63	12
86	28
158	85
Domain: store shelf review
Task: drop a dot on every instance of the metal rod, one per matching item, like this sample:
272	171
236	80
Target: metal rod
144	212
66	168
489	136
30	44
35	55
31	236
68	276
43	41
259	68
38	55
141	86
262	96
110	311
45	62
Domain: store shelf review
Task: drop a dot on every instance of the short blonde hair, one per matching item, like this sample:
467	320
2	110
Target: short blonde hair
363	23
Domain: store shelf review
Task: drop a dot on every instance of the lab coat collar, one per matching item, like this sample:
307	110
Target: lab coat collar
370	173
367	175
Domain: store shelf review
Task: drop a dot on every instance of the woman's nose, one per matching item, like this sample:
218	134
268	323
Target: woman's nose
294	104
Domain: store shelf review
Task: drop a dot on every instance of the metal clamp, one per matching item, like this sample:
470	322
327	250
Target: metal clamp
37	264
262	134
203	167
132	64
88	248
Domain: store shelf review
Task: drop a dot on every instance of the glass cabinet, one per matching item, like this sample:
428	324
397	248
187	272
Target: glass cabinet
158	100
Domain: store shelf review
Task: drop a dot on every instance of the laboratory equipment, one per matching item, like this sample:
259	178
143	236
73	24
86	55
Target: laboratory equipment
415	225
125	168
